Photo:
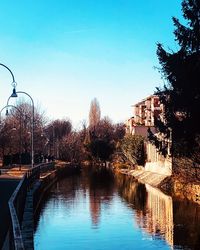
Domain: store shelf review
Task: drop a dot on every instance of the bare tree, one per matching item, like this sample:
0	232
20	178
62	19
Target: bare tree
95	113
15	136
55	132
71	147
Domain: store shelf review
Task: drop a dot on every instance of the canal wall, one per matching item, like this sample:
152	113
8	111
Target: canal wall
16	203
7	187
48	179
172	185
179	177
26	199
156	169
145	177
178	184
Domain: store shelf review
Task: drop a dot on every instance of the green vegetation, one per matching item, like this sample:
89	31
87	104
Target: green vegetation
103	140
133	148
181	93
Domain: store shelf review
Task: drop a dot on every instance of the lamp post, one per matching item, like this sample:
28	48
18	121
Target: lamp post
14	84
12	106
14	94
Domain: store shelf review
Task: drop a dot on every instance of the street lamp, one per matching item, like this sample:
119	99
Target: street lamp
15	94
12	106
14	84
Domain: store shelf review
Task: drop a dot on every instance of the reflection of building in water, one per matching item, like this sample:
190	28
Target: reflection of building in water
177	222
153	209
159	217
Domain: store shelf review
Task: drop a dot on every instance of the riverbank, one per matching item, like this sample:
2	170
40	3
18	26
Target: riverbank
26	198
173	185
153	179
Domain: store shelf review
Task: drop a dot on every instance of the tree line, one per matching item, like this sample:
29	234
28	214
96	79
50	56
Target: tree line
56	139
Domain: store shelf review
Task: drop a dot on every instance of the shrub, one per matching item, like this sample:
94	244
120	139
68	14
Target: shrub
133	148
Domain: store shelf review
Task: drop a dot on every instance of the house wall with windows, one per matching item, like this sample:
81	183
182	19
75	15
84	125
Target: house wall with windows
144	114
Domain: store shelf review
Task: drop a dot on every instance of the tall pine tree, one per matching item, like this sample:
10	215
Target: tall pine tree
181	94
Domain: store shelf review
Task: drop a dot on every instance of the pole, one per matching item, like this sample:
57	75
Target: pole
32	127
20	150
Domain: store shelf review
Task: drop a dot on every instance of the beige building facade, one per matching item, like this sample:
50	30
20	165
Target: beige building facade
144	114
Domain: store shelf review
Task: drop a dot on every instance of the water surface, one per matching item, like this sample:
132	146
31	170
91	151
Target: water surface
98	211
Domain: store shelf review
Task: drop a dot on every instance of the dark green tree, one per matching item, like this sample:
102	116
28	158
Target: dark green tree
181	93
103	139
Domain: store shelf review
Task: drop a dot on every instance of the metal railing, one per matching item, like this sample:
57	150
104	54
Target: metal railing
16	240
17	203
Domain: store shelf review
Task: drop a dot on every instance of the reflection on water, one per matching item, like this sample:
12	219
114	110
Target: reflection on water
186	224
98	210
160	216
178	222
153	209
101	188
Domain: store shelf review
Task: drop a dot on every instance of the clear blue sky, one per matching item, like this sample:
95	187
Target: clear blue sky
66	52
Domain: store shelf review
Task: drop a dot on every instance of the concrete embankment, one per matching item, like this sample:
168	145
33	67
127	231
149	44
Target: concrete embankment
146	177
173	185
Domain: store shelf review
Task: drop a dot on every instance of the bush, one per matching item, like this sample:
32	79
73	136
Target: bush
132	147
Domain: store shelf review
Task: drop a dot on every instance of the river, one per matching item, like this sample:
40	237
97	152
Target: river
98	210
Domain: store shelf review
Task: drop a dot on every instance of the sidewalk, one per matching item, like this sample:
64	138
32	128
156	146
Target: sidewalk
13	173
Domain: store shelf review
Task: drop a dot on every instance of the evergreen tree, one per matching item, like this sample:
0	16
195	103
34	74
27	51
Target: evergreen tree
181	94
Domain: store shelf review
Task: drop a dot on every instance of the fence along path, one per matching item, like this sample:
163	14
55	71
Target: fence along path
21	209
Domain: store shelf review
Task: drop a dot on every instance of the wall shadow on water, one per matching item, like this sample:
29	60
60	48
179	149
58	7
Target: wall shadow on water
175	221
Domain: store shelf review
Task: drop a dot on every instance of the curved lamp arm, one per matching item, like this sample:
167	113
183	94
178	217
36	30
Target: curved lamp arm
10	106
14	84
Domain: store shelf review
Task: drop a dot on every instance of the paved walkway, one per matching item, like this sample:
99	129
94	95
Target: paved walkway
13	173
9	179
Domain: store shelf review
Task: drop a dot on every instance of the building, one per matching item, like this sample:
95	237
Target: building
144	113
